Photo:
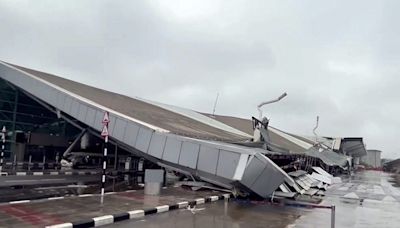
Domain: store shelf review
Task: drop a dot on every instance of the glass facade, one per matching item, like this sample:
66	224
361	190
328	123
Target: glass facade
23	116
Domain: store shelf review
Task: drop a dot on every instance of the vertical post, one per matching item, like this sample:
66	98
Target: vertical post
44	160
103	178
333	211
104	133
15	161
3	147
57	157
30	162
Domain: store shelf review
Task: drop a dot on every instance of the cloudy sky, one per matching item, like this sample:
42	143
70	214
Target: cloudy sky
336	59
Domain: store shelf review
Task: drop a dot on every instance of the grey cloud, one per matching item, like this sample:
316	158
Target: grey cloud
339	60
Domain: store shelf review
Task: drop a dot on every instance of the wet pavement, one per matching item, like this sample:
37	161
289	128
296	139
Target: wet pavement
378	204
219	214
71	209
380	208
373	202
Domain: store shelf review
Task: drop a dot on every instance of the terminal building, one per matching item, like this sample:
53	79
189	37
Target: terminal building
49	118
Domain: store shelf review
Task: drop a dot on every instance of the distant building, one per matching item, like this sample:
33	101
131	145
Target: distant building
372	159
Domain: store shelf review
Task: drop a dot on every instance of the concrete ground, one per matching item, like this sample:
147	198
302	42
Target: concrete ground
373	202
71	209
378	204
219	214
380	208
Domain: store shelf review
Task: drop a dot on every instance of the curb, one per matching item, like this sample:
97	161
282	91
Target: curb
135	214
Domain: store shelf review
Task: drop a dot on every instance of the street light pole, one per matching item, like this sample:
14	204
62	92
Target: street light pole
269	102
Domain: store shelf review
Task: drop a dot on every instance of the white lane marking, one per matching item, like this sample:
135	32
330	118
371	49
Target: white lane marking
63	225
21	181
85	195
19	201
56	198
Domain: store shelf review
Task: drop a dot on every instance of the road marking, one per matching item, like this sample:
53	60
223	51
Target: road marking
56	198
27	180
19	201
64	225
85	195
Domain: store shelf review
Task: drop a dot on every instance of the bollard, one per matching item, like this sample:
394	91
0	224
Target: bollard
57	157
29	162
44	161
15	161
333	211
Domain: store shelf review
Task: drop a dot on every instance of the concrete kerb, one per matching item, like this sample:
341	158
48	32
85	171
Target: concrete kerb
137	214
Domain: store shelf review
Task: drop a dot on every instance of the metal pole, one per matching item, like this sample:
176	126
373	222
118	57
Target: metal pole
29	162
3	147
44	160
333	211
103	178
57	157
104	133
15	161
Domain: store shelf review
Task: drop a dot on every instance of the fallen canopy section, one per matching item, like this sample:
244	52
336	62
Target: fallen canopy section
164	137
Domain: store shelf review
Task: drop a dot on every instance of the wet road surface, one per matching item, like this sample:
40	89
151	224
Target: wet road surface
71	209
219	214
373	202
380	208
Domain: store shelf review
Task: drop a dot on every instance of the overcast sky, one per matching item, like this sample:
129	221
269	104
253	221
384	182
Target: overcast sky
336	59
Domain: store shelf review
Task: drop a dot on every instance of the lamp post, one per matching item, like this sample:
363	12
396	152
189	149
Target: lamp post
269	102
